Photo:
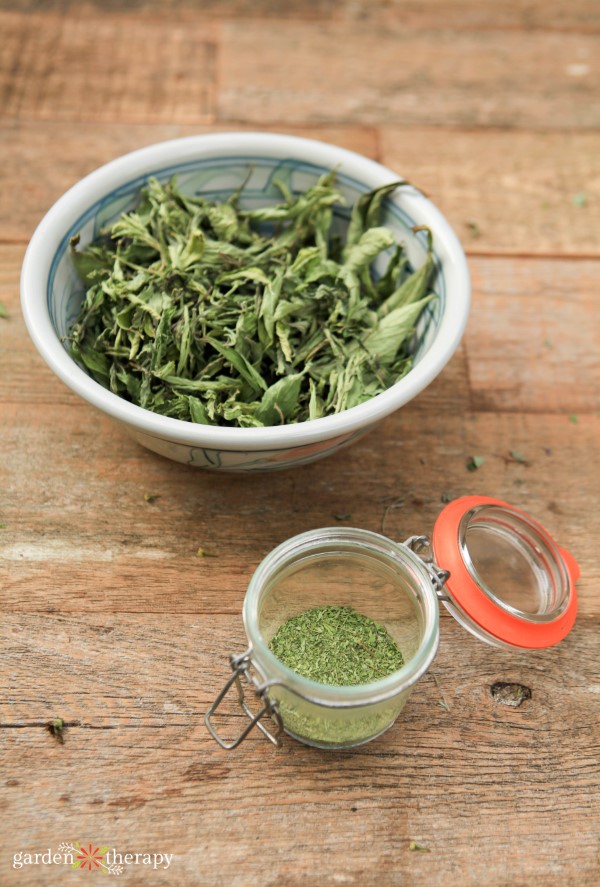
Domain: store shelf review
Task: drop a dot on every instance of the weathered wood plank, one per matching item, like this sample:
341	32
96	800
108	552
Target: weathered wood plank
521	15
37	168
533	338
79	534
427	14
73	68
502	191
508	191
69	653
205	10
389	74
96	671
57	67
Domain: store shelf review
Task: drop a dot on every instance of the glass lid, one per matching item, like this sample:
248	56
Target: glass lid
510	584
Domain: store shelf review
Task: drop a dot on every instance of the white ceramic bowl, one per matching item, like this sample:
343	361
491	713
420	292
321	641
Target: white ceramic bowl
51	292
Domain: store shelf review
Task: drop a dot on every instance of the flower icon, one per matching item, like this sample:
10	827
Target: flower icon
91	857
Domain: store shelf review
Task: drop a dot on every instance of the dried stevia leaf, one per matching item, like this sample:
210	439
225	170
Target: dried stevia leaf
391	331
280	400
206	312
367	209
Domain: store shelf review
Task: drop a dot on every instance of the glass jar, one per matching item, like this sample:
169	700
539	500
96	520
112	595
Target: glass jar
497	571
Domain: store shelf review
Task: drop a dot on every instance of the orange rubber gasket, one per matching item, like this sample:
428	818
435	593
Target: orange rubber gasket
467	594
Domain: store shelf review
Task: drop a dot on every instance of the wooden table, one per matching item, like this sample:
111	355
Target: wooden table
109	619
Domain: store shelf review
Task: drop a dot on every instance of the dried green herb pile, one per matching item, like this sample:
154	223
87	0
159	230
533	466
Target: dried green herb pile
337	646
218	315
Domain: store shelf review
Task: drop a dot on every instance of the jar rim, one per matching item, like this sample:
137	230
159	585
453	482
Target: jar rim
350	538
487	615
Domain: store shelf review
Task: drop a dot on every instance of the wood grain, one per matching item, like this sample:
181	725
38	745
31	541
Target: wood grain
533	341
72	68
444	786
523	15
481	404
79	534
62	68
35	172
502	191
578	15
506	191
388	74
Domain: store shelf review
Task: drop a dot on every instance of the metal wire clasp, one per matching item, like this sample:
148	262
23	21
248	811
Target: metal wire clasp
421	545
240	666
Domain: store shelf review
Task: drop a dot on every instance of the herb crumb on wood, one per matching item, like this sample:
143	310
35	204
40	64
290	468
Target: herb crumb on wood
473	463
55	727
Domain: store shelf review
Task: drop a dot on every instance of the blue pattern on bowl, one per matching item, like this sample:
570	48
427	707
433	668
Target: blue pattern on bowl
276	459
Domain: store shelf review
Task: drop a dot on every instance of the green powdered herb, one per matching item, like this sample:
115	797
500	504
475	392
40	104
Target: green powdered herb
336	646
335	730
210	313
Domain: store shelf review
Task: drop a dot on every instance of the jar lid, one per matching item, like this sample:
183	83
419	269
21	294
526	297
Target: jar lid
510	584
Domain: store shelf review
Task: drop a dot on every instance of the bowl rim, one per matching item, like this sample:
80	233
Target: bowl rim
144	161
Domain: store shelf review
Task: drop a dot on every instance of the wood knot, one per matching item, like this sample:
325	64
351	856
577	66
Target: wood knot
507	693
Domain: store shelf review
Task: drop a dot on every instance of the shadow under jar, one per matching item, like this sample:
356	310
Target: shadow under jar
497	571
